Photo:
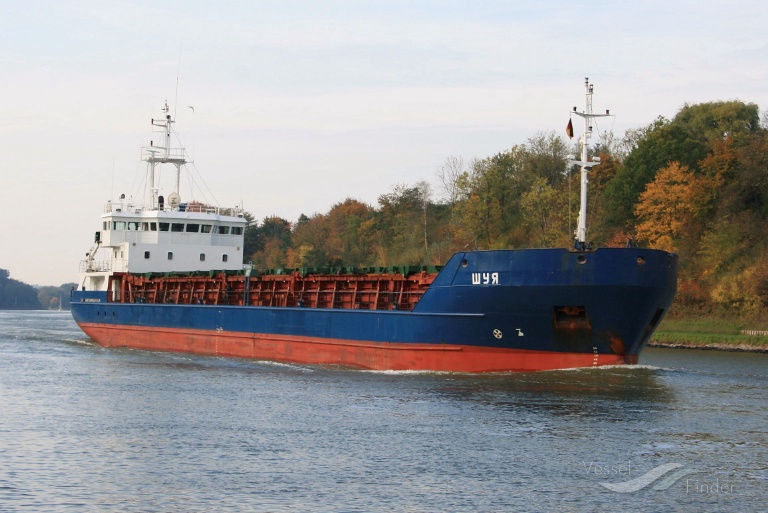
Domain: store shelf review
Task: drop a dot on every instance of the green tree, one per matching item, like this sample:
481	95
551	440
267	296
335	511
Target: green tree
250	236
16	295
542	210
272	241
400	215
52	297
687	139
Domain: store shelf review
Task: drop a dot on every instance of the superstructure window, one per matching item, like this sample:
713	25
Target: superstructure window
193	228
164	227
177	227
223	230
153	227
133	226
146	255
118	225
105	225
206	228
224	257
202	257
237	230
170	255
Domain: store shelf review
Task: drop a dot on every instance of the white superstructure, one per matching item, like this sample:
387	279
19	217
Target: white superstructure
163	235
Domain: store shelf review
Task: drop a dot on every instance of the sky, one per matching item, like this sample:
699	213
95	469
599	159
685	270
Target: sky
289	107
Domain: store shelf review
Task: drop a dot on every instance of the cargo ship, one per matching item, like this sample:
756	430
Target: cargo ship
165	275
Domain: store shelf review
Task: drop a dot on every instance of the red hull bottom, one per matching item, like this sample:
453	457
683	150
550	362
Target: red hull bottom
352	353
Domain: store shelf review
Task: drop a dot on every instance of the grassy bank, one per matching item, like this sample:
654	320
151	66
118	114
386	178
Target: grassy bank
709	333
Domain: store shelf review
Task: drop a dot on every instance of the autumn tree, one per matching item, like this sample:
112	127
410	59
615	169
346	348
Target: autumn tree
686	139
669	207
309	242
272	240
349	238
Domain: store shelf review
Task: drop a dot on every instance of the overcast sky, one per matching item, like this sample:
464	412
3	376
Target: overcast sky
299	105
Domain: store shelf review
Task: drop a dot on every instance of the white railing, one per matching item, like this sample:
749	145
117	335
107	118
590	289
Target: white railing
135	208
103	266
162	154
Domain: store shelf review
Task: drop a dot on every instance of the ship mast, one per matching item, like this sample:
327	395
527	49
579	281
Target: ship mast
163	154
580	236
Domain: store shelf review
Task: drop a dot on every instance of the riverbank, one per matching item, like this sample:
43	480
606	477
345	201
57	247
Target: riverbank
710	334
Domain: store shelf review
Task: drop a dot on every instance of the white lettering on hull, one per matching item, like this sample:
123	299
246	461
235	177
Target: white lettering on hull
485	278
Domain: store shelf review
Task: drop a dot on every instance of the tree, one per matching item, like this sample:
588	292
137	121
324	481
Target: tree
670	207
687	139
250	236
16	295
53	297
542	208
449	174
545	157
400	212
347	242
272	240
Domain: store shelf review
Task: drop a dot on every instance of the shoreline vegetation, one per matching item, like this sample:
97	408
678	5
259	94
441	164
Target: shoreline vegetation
710	334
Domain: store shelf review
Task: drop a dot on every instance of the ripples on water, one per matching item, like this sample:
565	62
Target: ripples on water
84	428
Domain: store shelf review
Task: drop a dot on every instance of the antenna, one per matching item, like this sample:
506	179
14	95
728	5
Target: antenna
176	97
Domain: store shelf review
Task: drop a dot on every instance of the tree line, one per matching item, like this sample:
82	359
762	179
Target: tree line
696	185
17	295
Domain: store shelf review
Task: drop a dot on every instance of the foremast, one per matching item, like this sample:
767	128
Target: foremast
580	236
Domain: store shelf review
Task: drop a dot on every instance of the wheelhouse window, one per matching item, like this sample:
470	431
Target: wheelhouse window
237	230
223	230
177	227
118	225
206	228
153	227
193	228
164	227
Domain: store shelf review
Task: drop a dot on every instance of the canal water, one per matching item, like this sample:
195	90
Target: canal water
88	429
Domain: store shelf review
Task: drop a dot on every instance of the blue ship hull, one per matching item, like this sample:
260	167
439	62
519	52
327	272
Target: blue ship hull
504	310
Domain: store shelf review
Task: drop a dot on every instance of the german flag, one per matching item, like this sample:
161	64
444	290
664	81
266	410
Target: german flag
569	129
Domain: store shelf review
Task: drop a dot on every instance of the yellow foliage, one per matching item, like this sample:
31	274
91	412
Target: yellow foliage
669	206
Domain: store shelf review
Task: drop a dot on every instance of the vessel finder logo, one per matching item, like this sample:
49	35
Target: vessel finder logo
652	476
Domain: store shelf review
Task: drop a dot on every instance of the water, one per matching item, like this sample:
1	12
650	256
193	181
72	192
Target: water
84	428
